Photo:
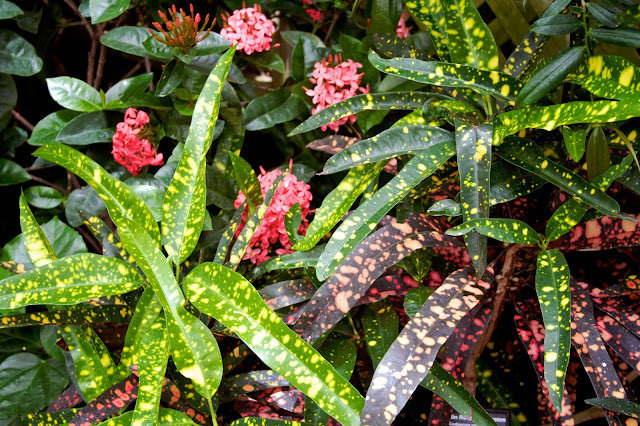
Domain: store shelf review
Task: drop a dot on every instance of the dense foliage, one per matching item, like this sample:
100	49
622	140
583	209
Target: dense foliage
435	212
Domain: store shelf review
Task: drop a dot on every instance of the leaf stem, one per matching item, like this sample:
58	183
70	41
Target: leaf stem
213	412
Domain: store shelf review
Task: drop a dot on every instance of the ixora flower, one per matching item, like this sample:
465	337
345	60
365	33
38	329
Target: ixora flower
131	146
402	31
183	31
315	14
335	81
248	29
272	229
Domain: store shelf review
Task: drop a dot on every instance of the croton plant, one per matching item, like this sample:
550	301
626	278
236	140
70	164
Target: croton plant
439	224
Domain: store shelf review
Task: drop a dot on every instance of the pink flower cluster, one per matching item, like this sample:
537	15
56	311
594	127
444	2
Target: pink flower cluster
335	81
249	29
272	229
131	146
402	31
315	14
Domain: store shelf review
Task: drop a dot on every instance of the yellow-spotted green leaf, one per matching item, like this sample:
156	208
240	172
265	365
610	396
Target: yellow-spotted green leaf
524	55
184	203
251	226
411	356
111	245
380	324
550	117
227	296
378	252
550	76
429	13
618	405
193	347
388	144
446	207
574	140
69	281
119	198
337	203
509	183
525	154
224	245
364	219
147	311
299	259
572	211
115	314
470	40
552	286
253	381
611	77
292	221
62	417
261	421
166	417
38	246
368	102
598	157
473	145
500	85
246	180
154	351
505	230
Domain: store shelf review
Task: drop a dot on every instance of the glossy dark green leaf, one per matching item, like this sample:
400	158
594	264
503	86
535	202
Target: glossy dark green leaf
29	384
380	324
446	207
43	197
497	84
11	173
552	286
274	108
84	200
17	55
106	10
550	76
268	59
505	230
231	299
598	157
368	102
575	140
602	15
9	10
48	128
411	356
89	128
386	145
170	79
128	40
555	25
622	36
74	94
305	54
8	99
618	405
415	298
129	88
525	154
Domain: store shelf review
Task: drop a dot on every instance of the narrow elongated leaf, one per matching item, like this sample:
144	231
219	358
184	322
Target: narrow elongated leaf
166	417
287	293
261	421
369	260
622	36
194	349
602	234
121	201
77	278
429	12
117	397
524	54
574	141
618	405
552	286
299	259
231	299
368	102
380	324
413	353
610	77
556	25
361	222
495	83
527	155
247	181
602	15
505	230
252	381
337	203
550	76
38	246
598	157
184	203
473	145
80	315
224	245
386	145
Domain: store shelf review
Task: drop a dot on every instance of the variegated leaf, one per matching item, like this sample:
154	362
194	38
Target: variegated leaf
193	347
505	230
527	155
429	13
602	234
184	203
552	286
413	353
113	400
356	104
287	293
500	85
380	324
120	200
362	221
247	181
231	299
618	405
166	417
524	55
332	144
253	381
38	246
611	77
261	421
224	245
80	315
368	261
295	260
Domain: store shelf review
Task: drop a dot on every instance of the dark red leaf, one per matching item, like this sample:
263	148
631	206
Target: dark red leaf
389	285
615	308
601	234
332	144
289	400
621	340
287	293
68	399
173	399
110	402
241	384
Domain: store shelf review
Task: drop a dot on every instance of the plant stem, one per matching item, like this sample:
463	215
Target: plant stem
19	118
213	413
84	21
334	21
47	183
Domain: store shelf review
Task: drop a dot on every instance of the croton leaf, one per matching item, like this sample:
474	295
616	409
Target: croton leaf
415	140
602	234
500	85
113	400
261	421
80	315
524	54
356	104
230	298
368	261
527	155
380	324
429	13
574	141
552	286
77	278
166	417
35	241
298	259
360	223
388	285
247	181
67	399
611	77
194	349
337	203
412	355
620	339
618	405
120	199
332	144
505	230
224	245
184	203
252	381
